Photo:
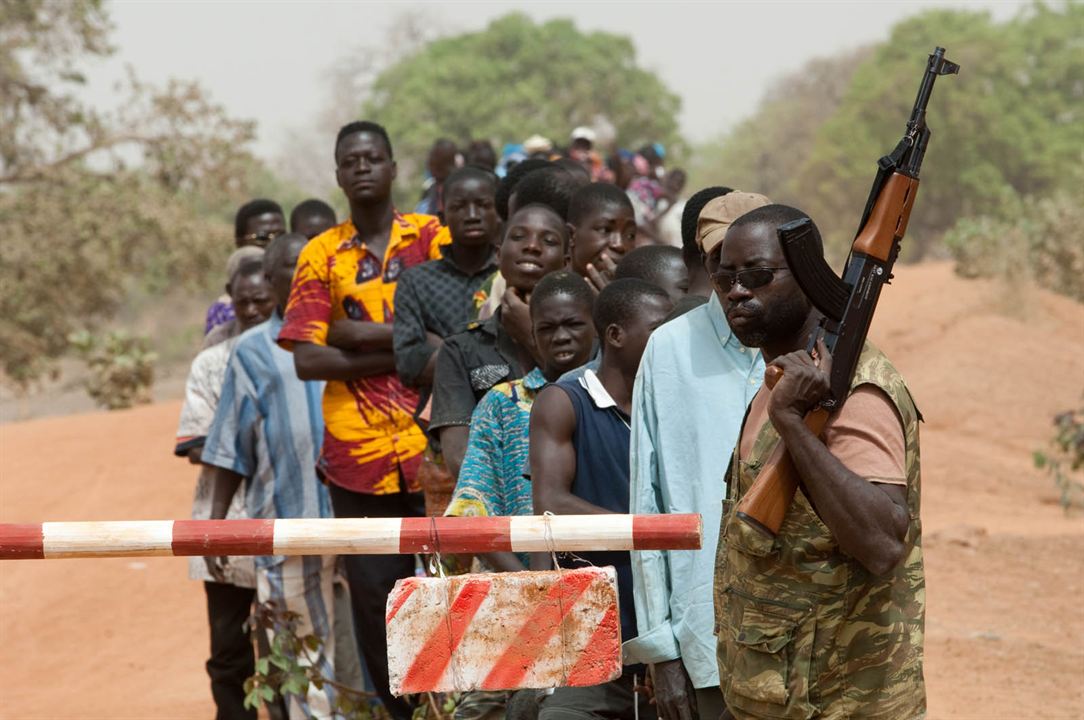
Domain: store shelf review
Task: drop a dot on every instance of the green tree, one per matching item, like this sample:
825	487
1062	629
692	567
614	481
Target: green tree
94	204
516	78
1009	126
761	153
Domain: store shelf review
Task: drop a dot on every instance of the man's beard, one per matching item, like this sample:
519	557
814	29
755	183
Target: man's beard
781	322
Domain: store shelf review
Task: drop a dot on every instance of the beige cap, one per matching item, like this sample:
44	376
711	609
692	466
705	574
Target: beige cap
717	216
537	144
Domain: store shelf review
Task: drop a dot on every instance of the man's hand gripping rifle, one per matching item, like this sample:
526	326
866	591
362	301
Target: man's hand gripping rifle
846	304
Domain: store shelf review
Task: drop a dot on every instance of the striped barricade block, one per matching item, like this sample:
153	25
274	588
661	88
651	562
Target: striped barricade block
504	631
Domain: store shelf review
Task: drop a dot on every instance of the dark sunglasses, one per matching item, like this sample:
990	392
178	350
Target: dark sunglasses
750	278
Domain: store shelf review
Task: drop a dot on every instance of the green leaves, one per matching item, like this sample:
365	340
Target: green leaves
293	665
516	78
121	368
1011	124
1064	459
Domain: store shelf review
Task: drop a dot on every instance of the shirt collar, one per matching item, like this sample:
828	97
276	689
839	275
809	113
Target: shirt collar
275	322
600	396
401	230
719	323
487	269
534	380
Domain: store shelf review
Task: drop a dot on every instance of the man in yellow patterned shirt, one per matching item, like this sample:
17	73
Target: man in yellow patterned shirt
339	325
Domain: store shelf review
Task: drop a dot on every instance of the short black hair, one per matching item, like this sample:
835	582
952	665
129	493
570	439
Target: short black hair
647	263
511	180
775	216
367	126
690	248
573	166
547	208
443	145
469	172
251	209
553	186
272	254
621	301
480	153
562	282
311	208
590	198
248	267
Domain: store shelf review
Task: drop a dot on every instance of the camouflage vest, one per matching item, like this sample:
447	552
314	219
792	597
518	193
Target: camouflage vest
805	631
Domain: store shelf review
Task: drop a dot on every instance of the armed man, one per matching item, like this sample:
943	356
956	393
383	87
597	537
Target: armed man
823	617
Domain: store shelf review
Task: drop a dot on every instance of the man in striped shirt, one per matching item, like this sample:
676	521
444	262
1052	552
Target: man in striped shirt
267	433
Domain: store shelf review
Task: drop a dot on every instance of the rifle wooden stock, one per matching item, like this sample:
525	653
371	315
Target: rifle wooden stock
766	503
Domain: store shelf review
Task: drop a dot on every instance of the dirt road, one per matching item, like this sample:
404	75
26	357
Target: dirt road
988	366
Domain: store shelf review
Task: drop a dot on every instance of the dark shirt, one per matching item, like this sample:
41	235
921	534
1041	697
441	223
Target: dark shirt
601	439
686	304
436	296
469	364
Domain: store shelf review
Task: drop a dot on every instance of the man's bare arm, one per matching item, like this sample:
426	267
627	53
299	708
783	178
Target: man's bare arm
436	342
553	457
225	483
453	446
323	362
360	335
502	561
869	520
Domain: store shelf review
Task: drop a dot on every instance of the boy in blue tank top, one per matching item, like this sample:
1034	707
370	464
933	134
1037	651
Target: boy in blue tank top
579	459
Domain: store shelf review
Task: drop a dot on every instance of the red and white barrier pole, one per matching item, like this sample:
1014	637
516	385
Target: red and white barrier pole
349	536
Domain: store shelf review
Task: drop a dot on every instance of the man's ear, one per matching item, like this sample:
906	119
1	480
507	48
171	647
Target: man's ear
615	335
394	169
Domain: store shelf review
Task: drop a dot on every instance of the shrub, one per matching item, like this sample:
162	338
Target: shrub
121	368
1039	238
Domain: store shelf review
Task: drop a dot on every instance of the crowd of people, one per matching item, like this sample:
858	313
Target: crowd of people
549	331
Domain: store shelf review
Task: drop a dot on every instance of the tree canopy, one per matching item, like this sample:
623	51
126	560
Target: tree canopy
516	78
1008	126
94	202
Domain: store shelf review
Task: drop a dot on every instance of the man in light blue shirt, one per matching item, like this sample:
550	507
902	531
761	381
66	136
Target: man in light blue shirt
692	389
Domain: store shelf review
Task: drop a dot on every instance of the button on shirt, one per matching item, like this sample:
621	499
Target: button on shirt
694	383
267	429
370	436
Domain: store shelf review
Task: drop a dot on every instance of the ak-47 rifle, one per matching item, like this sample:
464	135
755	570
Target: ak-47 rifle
846	304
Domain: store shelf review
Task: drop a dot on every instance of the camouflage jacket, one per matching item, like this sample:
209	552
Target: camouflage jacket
804	630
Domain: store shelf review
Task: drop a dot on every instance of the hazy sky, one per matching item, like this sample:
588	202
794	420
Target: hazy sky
267	60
